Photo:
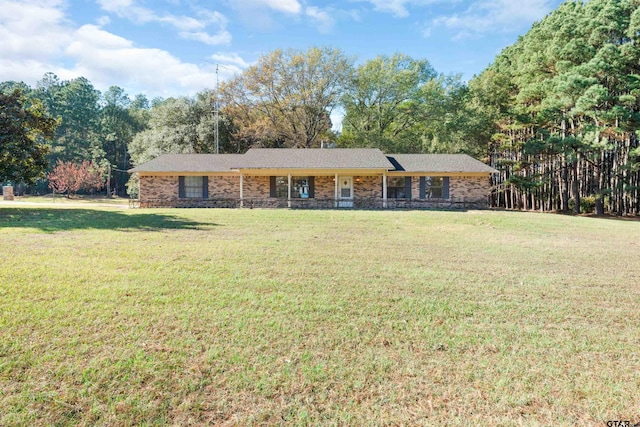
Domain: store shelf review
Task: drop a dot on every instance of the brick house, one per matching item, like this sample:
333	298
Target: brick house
314	178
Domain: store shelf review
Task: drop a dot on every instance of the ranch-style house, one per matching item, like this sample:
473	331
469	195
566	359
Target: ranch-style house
314	178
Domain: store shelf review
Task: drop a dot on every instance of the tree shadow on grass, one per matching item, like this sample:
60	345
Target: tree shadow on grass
61	219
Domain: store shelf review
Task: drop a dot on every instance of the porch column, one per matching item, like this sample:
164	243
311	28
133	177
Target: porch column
335	195
384	189
241	189
289	190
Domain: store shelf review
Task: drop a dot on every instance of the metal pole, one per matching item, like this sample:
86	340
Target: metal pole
215	107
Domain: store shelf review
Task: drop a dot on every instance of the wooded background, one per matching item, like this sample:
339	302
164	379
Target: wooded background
557	113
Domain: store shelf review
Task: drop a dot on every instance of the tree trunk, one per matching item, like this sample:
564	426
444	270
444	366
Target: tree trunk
564	186
575	187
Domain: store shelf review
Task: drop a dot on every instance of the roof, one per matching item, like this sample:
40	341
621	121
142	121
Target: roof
190	163
314	158
438	163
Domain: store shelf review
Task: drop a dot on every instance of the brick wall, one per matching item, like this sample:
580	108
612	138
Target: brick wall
325	187
470	188
7	192
163	190
368	187
224	187
415	187
158	188
256	186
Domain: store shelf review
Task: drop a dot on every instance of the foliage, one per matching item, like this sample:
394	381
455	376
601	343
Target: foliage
69	177
401	105
74	104
133	186
179	125
24	128
286	99
120	120
384	103
563	109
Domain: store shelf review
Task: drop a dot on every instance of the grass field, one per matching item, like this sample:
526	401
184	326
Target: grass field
61	199
278	317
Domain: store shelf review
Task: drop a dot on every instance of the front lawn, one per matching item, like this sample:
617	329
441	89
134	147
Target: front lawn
280	317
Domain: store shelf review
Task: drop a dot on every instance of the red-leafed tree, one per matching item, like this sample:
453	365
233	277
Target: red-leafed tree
69	178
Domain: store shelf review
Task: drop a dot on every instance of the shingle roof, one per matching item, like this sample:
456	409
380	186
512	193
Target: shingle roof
190	163
314	158
334	158
438	163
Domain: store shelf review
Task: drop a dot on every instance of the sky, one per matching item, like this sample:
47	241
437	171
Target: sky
164	48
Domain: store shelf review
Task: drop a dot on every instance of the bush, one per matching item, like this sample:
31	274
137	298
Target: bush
587	204
133	186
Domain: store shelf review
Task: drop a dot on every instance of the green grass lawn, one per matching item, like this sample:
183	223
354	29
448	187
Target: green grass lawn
279	317
76	199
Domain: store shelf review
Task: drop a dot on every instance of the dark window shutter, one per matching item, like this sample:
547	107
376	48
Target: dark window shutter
445	187
312	188
181	187
423	187
407	187
205	187
272	187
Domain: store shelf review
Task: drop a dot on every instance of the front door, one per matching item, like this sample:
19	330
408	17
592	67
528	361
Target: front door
345	192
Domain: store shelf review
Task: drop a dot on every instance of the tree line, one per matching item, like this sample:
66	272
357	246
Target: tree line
285	100
563	107
556	113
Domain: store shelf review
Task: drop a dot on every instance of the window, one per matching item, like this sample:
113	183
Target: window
398	187
282	187
300	188
193	187
434	187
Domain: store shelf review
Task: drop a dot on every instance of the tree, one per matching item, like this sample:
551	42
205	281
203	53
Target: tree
382	102
75	104
180	125
286	99
120	120
566	118
69	178
24	130
400	104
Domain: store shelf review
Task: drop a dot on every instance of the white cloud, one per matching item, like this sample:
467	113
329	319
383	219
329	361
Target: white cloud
25	54
230	59
106	59
103	20
223	37
259	14
323	20
184	23
114	5
485	15
289	6
189	28
398	8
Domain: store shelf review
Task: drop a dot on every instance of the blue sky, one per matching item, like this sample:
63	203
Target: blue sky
171	47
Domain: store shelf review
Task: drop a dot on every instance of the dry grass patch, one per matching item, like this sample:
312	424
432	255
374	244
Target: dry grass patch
235	317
